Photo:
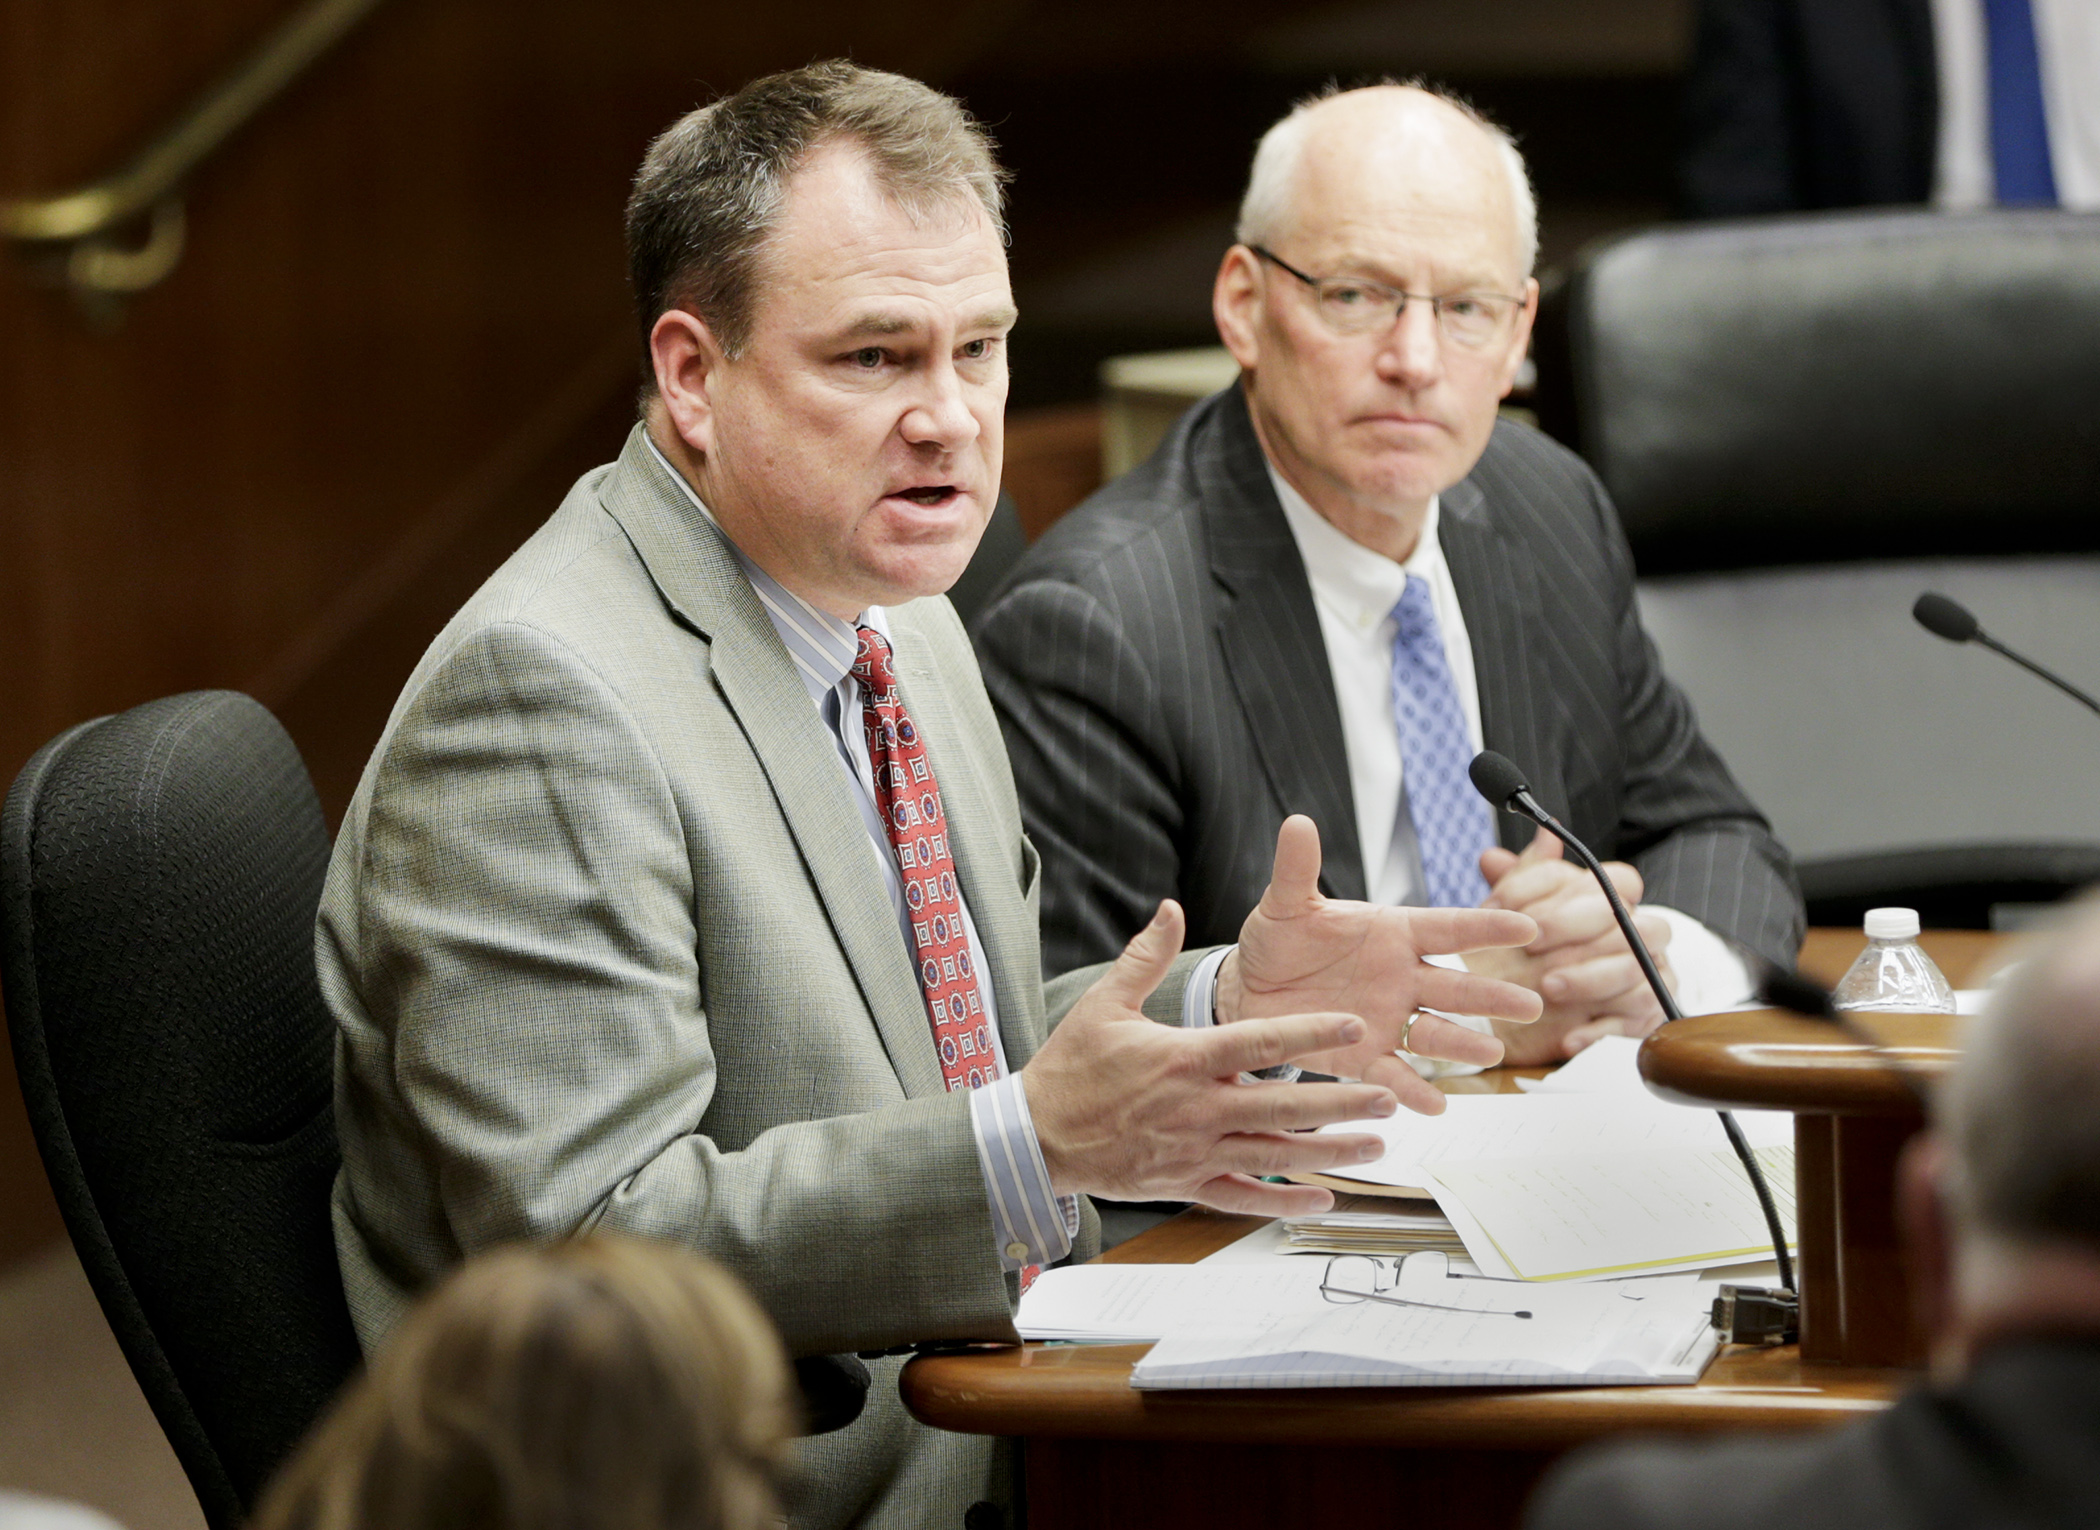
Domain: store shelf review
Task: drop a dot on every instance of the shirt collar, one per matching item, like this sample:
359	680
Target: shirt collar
1362	585
822	646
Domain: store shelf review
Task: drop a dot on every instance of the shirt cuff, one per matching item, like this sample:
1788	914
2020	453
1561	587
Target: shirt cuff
1199	1001
1711	974
1199	1008
1031	1224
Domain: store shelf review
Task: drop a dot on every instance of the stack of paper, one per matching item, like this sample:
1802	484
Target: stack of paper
1576	1335
1549	1125
1362	1232
1592	1179
1596	1216
1381	1323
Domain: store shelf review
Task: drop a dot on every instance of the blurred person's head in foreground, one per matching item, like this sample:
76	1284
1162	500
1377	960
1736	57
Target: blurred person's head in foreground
604	1382
2001	1199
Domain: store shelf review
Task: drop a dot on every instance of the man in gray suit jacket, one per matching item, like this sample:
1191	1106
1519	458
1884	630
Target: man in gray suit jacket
1339	579
686	892
2001	1203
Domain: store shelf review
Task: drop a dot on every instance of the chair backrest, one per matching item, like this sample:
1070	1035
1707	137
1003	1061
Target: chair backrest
997	551
1848	385
1806	422
159	875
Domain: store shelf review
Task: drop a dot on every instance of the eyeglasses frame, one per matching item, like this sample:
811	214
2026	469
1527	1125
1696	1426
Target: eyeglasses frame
1435	302
1329	1293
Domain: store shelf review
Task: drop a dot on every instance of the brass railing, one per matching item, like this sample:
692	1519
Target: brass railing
79	236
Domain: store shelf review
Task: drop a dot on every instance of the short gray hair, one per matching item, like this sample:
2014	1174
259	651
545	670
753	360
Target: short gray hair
712	187
1265	209
2022	1107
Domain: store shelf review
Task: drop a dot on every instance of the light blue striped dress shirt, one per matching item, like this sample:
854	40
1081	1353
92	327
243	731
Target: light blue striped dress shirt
1031	1223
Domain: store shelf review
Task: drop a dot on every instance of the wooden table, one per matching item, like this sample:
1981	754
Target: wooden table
1098	1454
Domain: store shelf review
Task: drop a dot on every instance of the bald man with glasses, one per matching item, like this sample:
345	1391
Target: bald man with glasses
1343	576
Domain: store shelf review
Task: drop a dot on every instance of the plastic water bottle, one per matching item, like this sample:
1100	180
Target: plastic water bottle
1894	972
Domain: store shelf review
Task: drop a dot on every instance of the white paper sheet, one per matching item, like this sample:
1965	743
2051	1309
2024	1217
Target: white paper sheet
1585	1216
1136	1303
1589	1333
1606	1065
1487	1126
1266	1243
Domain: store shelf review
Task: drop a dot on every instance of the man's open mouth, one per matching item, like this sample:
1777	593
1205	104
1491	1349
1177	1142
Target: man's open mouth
929	494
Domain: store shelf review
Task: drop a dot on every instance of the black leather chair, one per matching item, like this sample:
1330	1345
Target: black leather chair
159	876
159	873
1805	422
998	550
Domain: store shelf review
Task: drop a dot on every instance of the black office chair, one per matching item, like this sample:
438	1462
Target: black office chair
1805	422
998	550
159	876
159	873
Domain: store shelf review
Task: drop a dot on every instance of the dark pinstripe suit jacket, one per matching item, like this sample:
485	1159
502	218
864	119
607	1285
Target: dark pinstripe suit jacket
1157	665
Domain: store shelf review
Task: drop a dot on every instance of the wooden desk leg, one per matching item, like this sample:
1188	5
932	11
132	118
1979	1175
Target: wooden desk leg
1855	1291
1169	1485
1815	1211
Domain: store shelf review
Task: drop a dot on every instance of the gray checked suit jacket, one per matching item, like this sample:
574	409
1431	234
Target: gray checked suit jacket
609	947
1157	663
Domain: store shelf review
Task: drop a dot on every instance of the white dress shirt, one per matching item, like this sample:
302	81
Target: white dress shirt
1354	592
2067	45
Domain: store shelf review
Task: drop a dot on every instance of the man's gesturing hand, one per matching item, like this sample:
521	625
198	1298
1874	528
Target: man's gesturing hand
1580	963
1302	951
1134	1111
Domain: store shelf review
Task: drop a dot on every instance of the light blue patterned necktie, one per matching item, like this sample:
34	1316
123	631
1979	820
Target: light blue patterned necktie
1452	821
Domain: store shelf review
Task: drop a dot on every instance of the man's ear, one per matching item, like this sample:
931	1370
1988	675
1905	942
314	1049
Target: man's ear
1520	342
688	365
1235	305
1928	1231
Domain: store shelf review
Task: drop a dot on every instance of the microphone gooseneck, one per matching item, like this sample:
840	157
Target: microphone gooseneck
1496	779
1950	619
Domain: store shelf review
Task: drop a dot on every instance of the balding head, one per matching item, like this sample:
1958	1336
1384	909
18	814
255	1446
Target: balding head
1386	142
2022	1110
1381	227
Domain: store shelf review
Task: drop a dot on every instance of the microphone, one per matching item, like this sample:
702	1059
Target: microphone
1952	620
1496	779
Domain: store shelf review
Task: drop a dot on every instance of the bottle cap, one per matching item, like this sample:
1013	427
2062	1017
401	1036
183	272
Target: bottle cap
1892	923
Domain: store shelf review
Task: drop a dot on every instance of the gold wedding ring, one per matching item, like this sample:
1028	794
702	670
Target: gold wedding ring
1407	1031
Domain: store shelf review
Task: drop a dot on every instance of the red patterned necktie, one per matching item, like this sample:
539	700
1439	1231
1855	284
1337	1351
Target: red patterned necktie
909	800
